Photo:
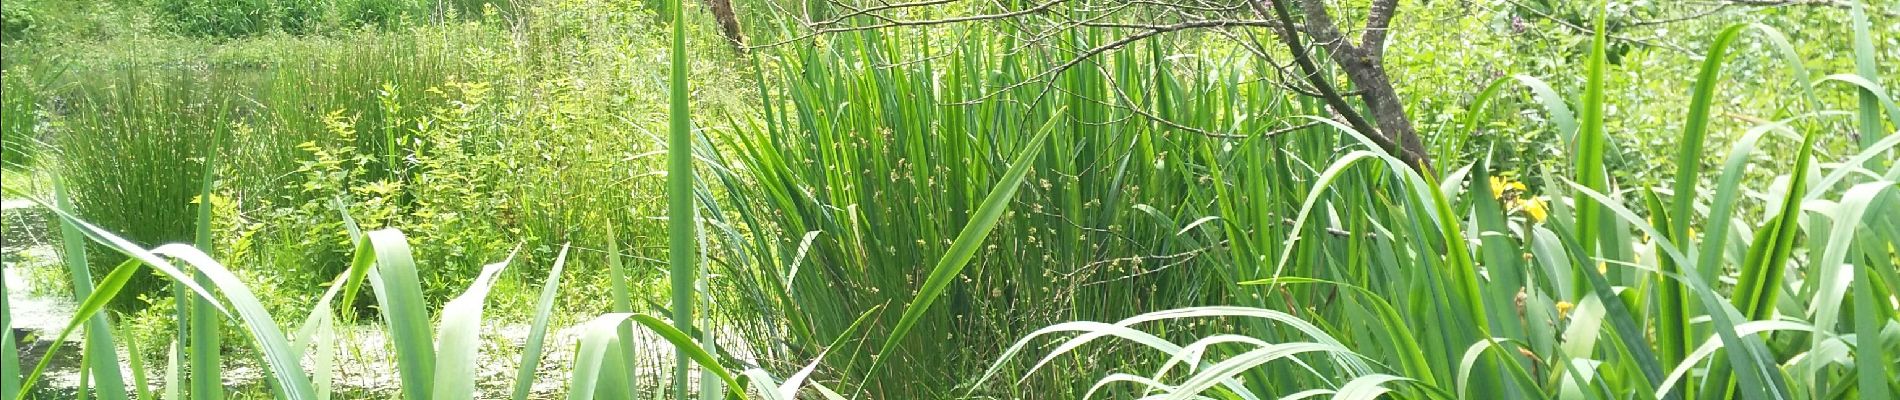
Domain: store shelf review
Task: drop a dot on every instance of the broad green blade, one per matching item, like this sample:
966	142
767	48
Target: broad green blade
9	356
135	360
100	346
1672	312
1589	169
400	292
174	374
1834	276
622	295
1759	375
207	371
1874	365
459	336
89	307
680	223
1765	267
319	329
279	357
599	336
1870	129
538	330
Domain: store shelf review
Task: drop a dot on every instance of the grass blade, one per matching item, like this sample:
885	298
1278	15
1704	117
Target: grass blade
965	245
1873	370
602	331
623	297
320	329
89	308
1766	263
135	360
1869	126
1833	276
174	380
1672	310
278	356
1761	374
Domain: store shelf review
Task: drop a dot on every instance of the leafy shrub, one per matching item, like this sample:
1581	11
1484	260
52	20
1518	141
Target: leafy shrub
240	18
218	18
299	17
17	19
378	13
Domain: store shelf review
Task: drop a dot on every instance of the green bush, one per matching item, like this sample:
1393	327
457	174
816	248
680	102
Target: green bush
240	18
378	13
217	18
17	20
299	17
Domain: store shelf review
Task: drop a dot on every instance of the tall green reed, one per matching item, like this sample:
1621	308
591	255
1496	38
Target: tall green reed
19	121
131	143
878	149
1652	335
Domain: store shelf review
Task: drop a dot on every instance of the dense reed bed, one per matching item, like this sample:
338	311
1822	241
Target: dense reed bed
947	213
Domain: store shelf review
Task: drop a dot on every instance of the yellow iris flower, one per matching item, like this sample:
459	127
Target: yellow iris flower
1534	208
1499	185
1531	206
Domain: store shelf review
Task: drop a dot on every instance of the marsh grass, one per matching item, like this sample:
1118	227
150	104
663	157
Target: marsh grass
893	225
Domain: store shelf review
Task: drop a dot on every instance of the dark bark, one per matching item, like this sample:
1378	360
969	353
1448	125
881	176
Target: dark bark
1364	66
728	22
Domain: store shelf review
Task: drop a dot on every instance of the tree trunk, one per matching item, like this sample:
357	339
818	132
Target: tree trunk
1364	65
728	22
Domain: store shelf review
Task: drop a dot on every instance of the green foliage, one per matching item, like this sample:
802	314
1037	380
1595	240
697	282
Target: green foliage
378	13
219	18
136	139
17	20
19	121
852	221
300	17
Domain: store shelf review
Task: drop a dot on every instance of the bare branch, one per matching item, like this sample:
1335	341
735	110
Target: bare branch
1290	35
897	23
872	10
1586	31
1395	133
1841	4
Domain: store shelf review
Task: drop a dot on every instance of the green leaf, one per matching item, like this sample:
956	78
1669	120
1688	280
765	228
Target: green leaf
206	342
9	354
1589	169
600	334
966	243
538	330
458	340
279	357
100	347
89	308
681	216
399	292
